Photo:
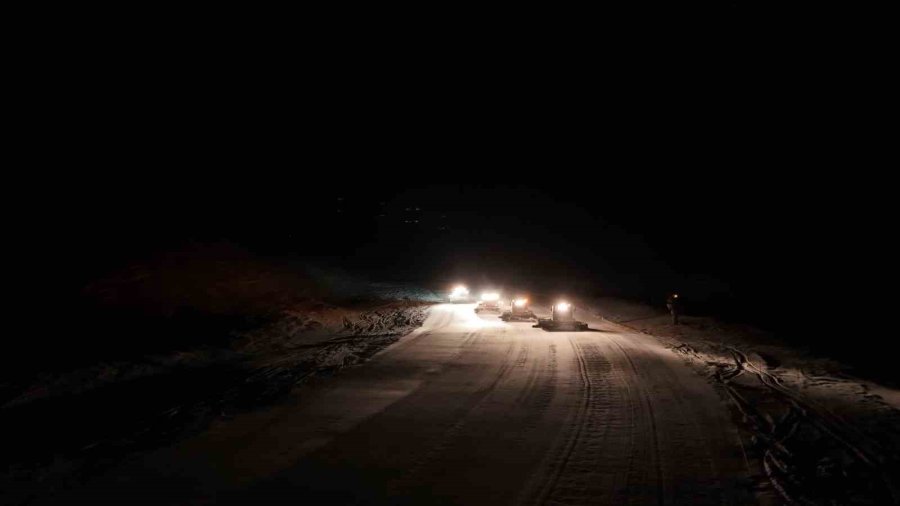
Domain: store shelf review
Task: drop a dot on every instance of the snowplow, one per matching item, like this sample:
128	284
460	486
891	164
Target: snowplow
489	303
459	294
518	311
562	317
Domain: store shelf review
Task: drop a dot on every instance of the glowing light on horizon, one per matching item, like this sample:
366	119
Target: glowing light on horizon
459	292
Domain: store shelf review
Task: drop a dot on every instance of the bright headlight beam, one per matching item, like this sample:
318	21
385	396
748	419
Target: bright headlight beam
521	302
562	306
490	296
459	291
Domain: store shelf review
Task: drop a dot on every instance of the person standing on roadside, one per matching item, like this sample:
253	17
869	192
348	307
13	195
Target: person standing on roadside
674	306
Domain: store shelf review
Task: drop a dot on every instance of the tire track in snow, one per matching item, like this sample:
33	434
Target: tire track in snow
618	449
651	417
403	484
804	410
592	459
537	396
556	471
514	413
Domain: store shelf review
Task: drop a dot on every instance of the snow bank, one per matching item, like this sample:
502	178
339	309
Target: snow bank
819	435
163	347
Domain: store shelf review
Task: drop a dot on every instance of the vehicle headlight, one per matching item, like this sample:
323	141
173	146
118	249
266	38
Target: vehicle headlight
459	292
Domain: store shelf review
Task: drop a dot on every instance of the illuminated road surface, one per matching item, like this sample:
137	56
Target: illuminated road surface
467	410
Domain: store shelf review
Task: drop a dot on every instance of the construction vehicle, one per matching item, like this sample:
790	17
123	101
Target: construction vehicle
490	303
459	294
518	311
562	317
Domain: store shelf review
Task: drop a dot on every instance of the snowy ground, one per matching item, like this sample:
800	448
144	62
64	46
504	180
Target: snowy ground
113	409
818	435
462	409
156	350
466	410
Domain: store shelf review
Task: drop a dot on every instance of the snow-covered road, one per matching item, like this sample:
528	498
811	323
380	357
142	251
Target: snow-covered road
466	410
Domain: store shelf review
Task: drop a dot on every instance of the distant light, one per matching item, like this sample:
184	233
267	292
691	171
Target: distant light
520	302
562	306
488	296
459	292
676	295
